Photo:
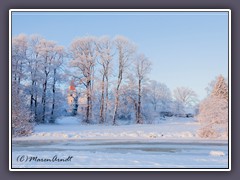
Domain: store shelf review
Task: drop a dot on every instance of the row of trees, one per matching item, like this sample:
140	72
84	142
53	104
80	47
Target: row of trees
91	54
110	76
36	66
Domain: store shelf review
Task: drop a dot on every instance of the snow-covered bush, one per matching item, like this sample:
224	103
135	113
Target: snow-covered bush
213	111
21	117
207	132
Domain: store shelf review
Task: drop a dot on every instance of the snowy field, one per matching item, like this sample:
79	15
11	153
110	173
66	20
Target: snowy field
70	128
172	143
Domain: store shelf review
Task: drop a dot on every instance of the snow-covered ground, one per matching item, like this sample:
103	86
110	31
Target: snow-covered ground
71	128
172	143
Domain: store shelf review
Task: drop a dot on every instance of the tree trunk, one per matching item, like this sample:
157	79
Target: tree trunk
155	107
102	102
19	78
106	101
91	92
115	108
44	100
35	106
120	73
88	102
52	120
139	117
44	95
31	96
15	71
136	109
117	98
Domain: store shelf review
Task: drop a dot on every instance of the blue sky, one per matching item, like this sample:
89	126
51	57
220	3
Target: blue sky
186	48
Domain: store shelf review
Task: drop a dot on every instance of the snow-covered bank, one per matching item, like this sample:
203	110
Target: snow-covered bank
70	128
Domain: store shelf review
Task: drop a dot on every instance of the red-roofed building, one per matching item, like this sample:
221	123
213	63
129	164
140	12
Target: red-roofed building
72	86
75	102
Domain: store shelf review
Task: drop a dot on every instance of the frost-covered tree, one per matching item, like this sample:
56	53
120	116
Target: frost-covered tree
46	50
21	116
185	95
129	99
213	111
159	95
177	107
19	58
125	49
213	114
35	64
211	85
105	53
35	74
141	68
84	55
57	62
220	89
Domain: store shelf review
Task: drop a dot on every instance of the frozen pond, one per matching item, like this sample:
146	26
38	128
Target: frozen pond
118	154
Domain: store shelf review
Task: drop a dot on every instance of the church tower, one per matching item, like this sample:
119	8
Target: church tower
72	99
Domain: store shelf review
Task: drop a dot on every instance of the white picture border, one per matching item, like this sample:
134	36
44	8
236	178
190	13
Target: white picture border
121	10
